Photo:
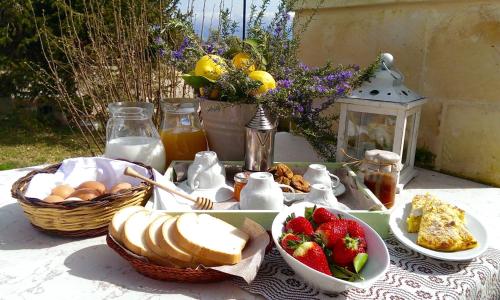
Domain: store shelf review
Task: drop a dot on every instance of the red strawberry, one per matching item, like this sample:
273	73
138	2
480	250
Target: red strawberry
288	240
322	215
346	250
312	255
298	225
331	232
354	229
325	233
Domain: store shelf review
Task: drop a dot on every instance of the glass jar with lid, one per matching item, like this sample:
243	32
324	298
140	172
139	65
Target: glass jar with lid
181	130
131	135
380	170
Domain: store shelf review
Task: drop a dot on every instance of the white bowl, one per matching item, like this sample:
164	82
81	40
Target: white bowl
376	266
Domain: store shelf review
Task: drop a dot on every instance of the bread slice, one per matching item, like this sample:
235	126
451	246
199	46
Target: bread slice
115	227
167	244
170	247
158	254
211	238
134	232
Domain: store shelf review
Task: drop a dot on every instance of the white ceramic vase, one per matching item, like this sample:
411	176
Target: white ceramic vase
321	194
224	125
206	172
261	192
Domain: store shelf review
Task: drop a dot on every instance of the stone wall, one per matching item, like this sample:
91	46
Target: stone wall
448	50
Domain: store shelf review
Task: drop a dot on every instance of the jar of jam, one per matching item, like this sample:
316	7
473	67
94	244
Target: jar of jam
240	180
381	171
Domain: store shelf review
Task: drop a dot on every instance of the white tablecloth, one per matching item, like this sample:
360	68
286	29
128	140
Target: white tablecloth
34	265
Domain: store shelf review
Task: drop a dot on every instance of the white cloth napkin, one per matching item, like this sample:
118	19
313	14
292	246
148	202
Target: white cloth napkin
74	171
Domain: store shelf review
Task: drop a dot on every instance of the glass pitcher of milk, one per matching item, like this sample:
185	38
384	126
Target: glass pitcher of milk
131	135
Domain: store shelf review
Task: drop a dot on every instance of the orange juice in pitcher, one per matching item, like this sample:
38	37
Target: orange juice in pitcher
181	132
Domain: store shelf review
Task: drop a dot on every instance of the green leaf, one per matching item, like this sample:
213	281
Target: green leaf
196	81
359	261
339	274
252	43
308	212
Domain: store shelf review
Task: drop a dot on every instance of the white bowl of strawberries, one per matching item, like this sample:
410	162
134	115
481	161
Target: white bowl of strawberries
329	248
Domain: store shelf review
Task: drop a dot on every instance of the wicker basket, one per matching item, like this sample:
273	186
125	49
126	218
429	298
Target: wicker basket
151	270
77	218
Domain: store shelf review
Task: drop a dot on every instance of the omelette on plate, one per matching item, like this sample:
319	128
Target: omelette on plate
440	226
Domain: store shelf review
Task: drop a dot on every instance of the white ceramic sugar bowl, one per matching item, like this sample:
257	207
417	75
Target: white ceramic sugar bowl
206	171
321	194
262	193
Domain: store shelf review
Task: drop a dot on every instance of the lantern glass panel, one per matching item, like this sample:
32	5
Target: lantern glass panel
410	124
366	131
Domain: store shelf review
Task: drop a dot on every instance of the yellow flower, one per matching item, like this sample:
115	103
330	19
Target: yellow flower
243	61
210	66
265	78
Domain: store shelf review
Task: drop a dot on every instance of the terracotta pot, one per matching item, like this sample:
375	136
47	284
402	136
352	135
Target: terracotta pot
224	125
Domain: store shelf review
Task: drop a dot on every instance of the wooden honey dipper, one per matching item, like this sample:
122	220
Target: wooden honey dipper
200	202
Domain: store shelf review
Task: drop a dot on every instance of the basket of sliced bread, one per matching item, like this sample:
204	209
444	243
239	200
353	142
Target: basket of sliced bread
78	197
186	247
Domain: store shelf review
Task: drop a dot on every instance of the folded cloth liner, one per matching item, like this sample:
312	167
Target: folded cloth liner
74	171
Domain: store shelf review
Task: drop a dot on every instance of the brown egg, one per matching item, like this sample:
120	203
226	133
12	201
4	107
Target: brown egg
73	199
95	185
119	187
63	191
53	199
85	194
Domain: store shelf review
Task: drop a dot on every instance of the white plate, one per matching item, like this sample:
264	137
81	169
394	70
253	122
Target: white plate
339	190
397	222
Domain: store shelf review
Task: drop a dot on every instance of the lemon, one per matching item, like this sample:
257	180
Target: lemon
210	93
210	66
265	78
243	61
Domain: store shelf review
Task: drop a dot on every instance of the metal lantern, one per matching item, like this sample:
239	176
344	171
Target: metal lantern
259	142
381	114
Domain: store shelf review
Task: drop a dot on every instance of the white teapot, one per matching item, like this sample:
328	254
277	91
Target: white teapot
262	193
206	172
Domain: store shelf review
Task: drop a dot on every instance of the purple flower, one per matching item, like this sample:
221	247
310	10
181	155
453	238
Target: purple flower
155	27
162	52
344	75
341	89
320	89
304	67
300	108
286	83
158	40
176	55
209	48
273	91
221	51
179	53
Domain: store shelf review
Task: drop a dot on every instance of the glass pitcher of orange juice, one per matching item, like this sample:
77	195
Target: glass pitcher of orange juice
181	132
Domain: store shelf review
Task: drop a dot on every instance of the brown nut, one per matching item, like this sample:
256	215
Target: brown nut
120	187
95	185
85	194
63	191
299	183
53	199
283	180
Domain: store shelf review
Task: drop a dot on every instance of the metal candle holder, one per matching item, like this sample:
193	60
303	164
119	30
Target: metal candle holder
259	142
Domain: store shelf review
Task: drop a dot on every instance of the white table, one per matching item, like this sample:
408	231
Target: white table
34	265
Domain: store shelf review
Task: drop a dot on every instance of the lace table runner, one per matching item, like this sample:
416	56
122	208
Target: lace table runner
410	276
